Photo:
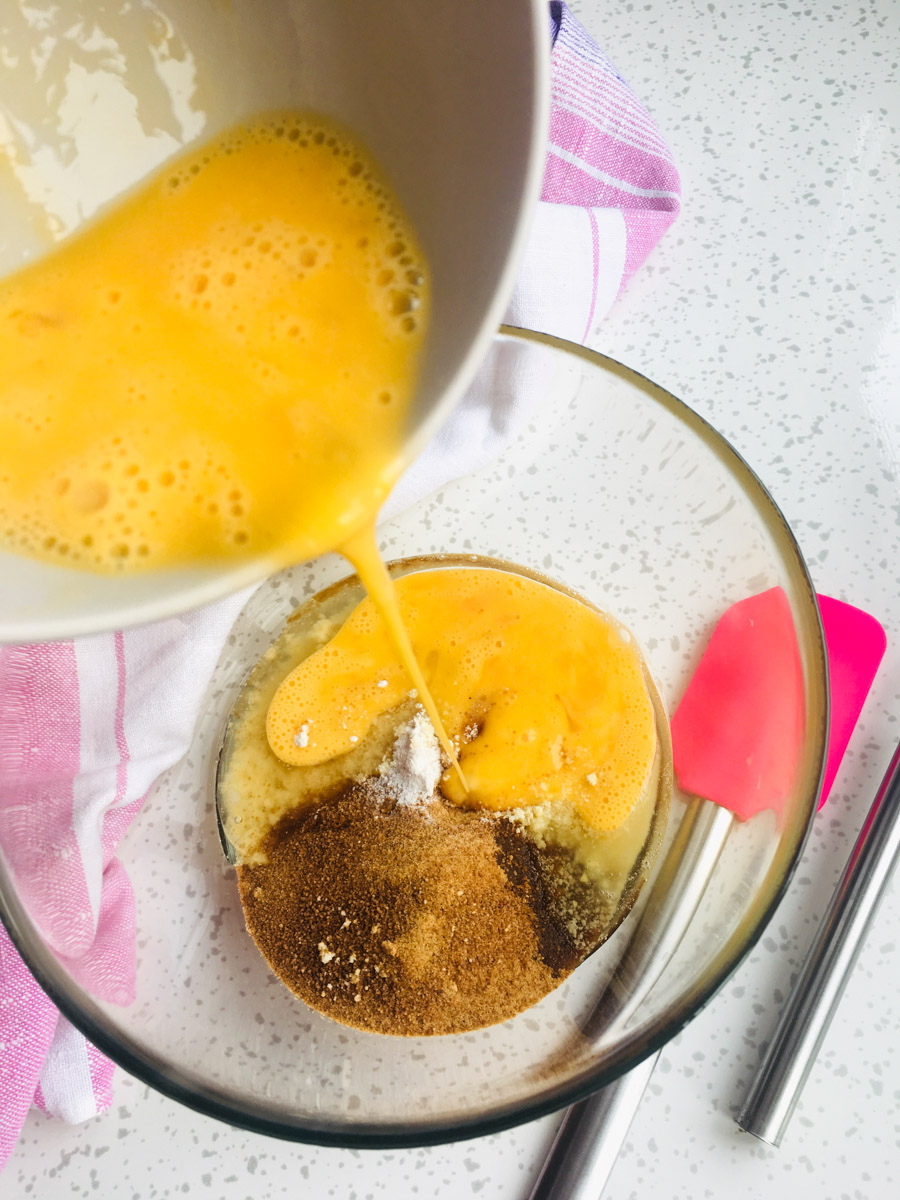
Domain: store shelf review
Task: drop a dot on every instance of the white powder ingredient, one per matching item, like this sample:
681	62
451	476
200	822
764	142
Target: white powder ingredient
412	773
301	739
592	778
325	954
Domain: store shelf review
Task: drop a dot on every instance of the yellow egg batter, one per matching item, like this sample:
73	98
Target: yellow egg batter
544	697
220	366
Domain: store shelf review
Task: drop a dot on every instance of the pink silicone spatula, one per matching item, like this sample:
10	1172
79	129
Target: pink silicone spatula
737	733
736	739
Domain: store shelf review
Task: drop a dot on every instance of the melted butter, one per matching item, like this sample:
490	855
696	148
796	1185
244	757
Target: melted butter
219	367
544	696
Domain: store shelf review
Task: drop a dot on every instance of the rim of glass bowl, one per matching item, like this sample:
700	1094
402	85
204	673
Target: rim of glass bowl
215	1102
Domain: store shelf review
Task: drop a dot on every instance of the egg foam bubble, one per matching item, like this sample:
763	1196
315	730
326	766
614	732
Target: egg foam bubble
544	696
220	366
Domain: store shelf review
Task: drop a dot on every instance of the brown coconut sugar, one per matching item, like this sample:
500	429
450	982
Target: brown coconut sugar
405	919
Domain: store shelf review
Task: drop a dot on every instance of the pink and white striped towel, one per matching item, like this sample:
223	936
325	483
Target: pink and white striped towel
86	726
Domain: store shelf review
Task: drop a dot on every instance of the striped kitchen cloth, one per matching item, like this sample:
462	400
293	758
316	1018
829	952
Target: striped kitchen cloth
87	726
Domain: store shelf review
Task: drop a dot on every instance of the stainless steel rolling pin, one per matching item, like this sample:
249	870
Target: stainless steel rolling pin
817	992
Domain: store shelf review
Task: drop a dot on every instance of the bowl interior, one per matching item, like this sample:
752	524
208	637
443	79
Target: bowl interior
297	640
621	493
453	109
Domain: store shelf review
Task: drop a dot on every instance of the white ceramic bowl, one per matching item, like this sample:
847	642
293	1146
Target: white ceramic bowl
452	103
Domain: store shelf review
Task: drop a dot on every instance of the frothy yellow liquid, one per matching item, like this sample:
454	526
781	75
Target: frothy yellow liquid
219	367
544	697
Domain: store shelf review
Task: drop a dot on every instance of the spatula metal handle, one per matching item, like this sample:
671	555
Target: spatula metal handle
592	1132
817	993
587	1145
677	890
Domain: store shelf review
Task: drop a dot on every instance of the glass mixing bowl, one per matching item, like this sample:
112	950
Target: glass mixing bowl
622	493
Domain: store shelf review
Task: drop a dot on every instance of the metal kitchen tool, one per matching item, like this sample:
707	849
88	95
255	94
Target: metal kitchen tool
817	993
592	1132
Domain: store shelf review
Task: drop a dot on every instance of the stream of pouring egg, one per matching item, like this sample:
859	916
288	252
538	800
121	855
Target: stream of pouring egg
219	367
362	551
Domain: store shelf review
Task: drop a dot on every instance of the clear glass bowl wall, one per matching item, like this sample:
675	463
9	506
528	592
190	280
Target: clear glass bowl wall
620	492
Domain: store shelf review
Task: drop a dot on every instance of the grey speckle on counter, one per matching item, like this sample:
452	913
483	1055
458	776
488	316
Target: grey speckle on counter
772	307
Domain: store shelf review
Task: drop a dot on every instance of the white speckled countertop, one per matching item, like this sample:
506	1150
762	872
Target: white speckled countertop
773	307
